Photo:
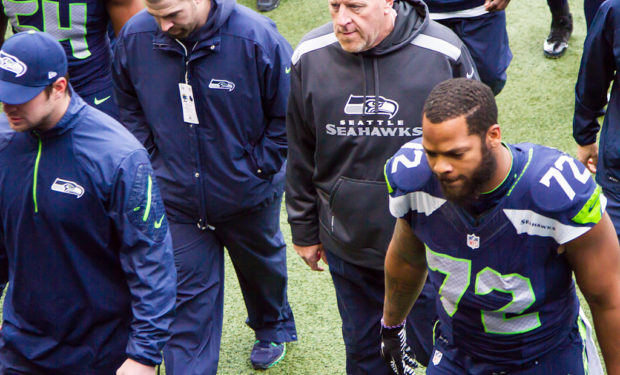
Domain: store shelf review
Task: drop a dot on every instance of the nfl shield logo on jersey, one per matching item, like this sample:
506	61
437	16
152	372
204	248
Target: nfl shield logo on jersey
473	241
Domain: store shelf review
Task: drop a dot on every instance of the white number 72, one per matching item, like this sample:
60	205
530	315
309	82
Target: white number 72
555	172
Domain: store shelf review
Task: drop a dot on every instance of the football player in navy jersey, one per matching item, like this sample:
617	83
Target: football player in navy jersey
500	229
81	28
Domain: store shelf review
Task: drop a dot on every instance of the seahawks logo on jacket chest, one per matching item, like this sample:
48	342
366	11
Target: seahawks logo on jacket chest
370	105
67	187
221	84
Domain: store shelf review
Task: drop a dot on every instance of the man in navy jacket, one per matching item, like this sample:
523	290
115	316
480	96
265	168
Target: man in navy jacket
84	241
203	84
600	60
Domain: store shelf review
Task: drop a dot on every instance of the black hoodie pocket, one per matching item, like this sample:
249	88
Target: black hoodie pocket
358	215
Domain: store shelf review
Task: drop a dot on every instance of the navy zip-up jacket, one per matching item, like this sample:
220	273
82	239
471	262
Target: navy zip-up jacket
599	66
238	66
87	248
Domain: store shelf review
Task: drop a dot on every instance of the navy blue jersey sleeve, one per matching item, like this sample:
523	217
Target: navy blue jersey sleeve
130	110
270	151
146	256
408	175
601	48
565	200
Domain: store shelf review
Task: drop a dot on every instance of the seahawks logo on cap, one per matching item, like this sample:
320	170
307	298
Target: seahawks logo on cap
12	64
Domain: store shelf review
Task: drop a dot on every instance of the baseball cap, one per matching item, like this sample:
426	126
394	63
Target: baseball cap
29	61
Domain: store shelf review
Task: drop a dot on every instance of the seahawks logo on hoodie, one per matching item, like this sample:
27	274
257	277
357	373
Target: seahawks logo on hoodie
370	105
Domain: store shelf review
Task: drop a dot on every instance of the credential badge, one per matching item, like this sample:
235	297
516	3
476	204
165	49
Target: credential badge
473	241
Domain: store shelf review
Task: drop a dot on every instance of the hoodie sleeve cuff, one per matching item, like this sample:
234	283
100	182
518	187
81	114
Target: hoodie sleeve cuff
305	235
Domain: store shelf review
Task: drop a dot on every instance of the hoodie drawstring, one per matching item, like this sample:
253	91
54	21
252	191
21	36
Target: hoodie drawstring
375	67
363	82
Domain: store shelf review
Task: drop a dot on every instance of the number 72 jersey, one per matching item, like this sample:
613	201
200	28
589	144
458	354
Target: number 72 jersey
505	294
80	26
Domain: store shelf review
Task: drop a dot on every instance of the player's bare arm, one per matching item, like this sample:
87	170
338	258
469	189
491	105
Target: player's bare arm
595	259
120	11
405	273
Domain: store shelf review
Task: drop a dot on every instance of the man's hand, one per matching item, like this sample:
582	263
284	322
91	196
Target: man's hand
395	351
495	5
131	367
311	255
588	155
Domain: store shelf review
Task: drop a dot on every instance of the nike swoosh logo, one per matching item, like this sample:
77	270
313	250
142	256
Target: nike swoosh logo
287	70
99	101
469	75
157	224
592	206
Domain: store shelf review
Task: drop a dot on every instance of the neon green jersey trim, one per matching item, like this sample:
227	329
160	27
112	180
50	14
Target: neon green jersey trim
529	160
584	336
508	174
591	211
390	190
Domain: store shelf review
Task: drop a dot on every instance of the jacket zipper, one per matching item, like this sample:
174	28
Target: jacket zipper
36	173
186	60
202	222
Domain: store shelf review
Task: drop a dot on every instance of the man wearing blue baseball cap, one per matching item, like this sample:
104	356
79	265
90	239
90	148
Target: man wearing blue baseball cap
84	241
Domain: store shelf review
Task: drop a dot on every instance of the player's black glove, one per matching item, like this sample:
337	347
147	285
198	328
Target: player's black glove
395	351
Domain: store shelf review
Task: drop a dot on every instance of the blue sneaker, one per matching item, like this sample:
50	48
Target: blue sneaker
266	354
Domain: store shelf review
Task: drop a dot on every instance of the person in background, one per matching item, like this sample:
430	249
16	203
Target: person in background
481	25
81	27
343	122
599	64
203	85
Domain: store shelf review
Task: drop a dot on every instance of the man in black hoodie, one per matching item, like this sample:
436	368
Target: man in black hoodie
358	86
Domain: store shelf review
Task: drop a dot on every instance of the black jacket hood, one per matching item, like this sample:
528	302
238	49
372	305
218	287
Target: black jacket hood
411	18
